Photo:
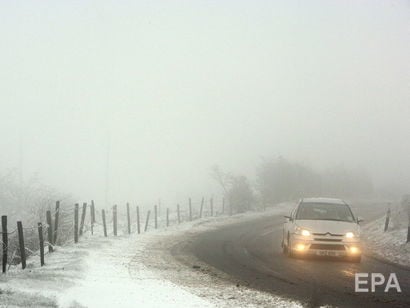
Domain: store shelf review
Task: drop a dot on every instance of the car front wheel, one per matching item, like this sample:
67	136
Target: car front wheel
289	247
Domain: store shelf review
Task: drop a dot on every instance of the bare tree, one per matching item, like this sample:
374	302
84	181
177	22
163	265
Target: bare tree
237	189
221	178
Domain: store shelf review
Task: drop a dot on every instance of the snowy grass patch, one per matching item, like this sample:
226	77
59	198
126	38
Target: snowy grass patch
390	245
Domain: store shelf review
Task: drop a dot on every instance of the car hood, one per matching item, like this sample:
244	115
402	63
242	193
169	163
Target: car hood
325	226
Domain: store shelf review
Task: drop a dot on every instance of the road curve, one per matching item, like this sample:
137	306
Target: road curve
251	253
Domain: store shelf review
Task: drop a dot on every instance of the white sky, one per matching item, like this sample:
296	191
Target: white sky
182	85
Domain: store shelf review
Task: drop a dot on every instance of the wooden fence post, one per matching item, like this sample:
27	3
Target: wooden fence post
128	218
167	217
56	219
5	240
41	241
146	222
114	219
138	220
202	207
92	208
83	218
21	244
156	216
178	214
76	223
92	212
212	206
386	223
408	217
49	231
408	226
190	209
104	222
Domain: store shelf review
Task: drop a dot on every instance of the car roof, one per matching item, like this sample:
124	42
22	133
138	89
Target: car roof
323	200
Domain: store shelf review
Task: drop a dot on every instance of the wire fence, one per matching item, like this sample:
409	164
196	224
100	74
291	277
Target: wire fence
25	242
67	224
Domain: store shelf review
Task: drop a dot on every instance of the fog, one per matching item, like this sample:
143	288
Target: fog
140	99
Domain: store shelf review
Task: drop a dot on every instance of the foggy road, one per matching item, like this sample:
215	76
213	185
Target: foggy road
251	253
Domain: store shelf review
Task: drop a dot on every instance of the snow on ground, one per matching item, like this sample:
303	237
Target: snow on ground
391	245
108	282
128	271
166	257
94	273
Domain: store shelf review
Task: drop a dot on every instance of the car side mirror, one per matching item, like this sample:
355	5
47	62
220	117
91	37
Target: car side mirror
359	220
288	217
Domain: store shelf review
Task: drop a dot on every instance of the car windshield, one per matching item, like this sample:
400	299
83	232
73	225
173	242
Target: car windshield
324	211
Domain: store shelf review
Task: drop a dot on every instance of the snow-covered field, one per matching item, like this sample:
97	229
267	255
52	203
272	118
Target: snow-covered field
127	271
94	273
390	246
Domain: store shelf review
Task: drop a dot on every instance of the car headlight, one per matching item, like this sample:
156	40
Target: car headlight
350	235
302	231
354	250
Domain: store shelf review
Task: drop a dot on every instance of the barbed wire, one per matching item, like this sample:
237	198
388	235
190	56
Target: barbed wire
9	232
65	210
30	251
30	228
66	223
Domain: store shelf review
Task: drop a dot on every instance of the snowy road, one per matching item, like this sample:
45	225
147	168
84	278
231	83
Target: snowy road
251	253
165	256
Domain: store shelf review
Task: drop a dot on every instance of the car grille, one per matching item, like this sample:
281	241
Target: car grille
327	247
328	240
327	233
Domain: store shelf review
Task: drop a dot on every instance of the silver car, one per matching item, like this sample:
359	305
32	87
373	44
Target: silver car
322	227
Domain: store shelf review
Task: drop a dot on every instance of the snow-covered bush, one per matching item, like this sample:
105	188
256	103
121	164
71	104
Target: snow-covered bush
28	202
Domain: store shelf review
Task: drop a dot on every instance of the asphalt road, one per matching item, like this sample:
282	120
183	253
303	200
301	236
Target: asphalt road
251	253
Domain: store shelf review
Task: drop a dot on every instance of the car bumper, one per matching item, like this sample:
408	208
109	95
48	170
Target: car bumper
326	246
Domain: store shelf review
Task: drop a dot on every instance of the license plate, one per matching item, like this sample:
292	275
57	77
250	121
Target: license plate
327	253
332	253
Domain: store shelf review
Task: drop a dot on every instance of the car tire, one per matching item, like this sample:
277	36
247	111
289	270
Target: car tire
289	248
